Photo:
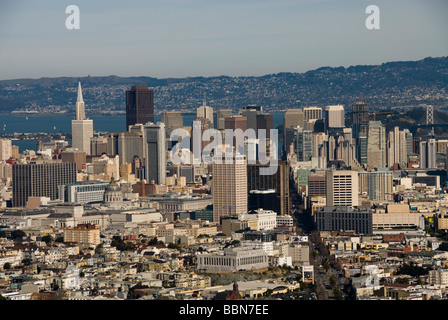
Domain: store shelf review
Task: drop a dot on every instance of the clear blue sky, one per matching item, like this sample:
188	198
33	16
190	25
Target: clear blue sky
179	38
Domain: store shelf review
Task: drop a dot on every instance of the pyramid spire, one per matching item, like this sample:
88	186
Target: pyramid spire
79	93
80	112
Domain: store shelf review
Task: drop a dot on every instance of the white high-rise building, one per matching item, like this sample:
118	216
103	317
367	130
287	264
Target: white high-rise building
376	145
342	188
5	149
82	128
398	147
205	112
312	113
229	187
335	116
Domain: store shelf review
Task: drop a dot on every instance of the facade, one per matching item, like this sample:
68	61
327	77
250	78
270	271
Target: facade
139	105
265	219
82	128
172	120
40	179
265	121
5	149
332	218
127	144
278	182
251	112
399	145
87	234
229	188
397	220
428	154
335	116
317	184
77	156
342	188
438	277
234	259
377	184
293	118
304	144
113	196
312	113
220	116
82	192
155	166
376	145
98	146
205	112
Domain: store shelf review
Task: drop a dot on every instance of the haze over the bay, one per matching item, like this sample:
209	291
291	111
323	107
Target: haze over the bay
174	38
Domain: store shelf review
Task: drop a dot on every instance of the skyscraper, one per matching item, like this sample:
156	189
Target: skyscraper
342	188
378	184
127	144
5	149
251	112
40	179
376	145
139	105
82	128
360	116
172	120
399	145
221	114
278	182
229	187
155	159
304	144
200	125
428	153
335	116
205	112
312	113
292	118
265	121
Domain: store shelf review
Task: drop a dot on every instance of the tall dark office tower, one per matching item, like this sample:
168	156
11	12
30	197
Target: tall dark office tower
155	158
139	105
360	115
265	122
278	182
40	179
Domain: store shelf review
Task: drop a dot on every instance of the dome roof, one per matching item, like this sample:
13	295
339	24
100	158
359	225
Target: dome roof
113	186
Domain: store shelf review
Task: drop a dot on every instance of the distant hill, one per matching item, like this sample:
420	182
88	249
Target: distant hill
389	85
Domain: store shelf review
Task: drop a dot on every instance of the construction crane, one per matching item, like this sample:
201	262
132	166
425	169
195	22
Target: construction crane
375	113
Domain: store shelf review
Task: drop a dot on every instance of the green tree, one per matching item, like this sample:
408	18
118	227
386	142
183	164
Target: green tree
17	234
332	281
47	239
325	265
59	239
337	293
402	280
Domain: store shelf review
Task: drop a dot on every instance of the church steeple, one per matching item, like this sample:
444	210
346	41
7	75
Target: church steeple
80	111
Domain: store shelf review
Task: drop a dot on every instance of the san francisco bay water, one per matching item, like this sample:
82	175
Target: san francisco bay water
26	123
